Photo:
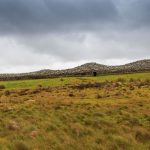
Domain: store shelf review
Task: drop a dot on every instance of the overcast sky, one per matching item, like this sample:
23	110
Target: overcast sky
58	34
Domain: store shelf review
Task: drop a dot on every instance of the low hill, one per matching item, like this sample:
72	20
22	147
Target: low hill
85	69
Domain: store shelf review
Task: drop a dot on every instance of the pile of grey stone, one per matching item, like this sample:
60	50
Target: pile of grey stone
86	69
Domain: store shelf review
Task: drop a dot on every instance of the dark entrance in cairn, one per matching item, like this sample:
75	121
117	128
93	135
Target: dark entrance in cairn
94	73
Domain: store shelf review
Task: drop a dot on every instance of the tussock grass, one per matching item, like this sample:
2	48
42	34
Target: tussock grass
110	112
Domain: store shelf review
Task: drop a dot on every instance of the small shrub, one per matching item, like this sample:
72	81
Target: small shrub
89	85
23	92
118	93
21	146
2	87
13	126
116	84
61	79
139	86
121	80
131	87
142	136
99	140
71	94
134	121
7	93
35	91
98	96
131	80
147	82
39	86
124	89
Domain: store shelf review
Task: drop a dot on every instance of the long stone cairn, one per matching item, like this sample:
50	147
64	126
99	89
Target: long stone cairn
86	69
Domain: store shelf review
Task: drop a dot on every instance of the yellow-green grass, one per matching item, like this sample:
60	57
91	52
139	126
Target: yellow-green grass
69	80
66	118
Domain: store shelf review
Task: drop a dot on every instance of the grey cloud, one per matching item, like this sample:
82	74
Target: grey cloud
101	45
42	16
57	32
142	15
49	15
133	13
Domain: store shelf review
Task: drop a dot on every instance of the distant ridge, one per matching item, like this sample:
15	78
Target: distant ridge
85	69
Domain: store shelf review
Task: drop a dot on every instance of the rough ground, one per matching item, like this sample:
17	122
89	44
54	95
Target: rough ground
92	114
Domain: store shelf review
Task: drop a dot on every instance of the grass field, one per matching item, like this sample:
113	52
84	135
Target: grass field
69	80
76	113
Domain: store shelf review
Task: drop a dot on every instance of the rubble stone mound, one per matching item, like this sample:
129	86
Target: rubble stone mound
86	69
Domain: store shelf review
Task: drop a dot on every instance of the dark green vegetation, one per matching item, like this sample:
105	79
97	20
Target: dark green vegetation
77	113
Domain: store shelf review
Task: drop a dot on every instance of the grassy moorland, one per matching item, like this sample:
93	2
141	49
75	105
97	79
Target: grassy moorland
76	113
69	80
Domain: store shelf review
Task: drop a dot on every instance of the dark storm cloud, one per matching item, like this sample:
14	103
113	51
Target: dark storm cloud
48	15
52	15
42	32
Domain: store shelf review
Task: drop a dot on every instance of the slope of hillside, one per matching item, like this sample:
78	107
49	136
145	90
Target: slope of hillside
85	69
